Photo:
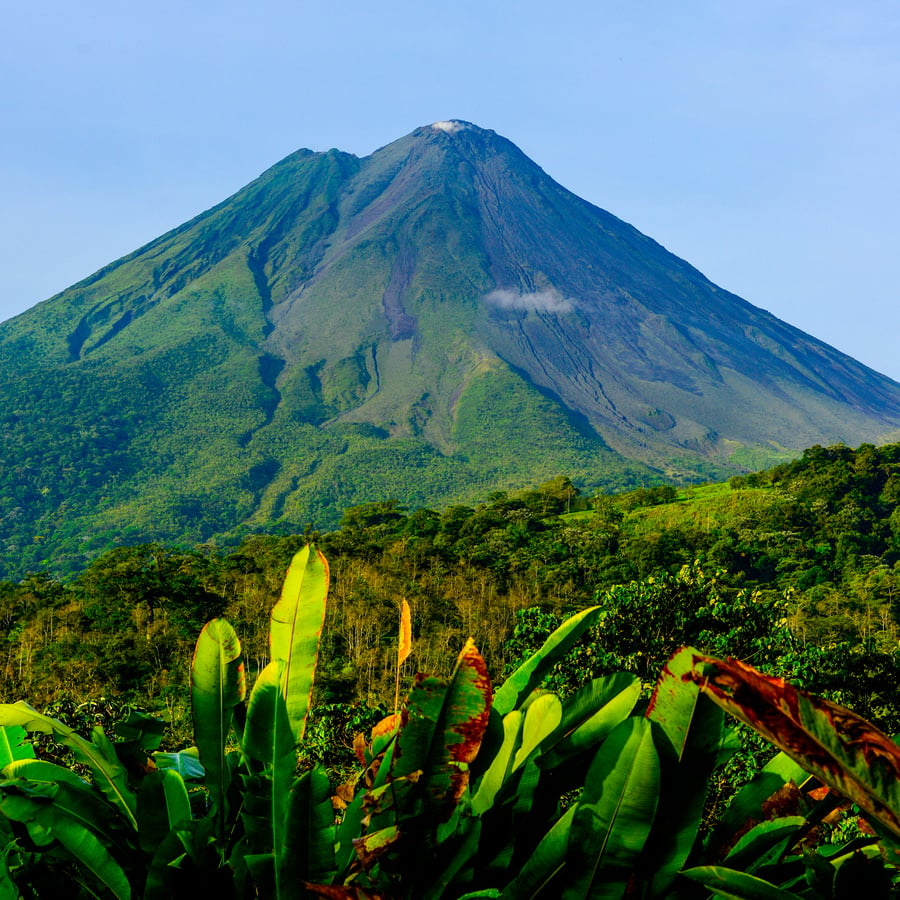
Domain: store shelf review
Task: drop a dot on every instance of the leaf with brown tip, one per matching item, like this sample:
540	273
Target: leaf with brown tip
839	747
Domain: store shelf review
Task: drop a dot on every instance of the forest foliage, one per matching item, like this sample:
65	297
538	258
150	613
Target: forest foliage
795	569
469	789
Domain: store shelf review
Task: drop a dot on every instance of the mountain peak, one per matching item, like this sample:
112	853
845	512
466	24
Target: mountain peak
434	320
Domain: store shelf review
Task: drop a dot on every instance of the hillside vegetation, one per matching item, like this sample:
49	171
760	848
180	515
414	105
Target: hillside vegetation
527	786
795	569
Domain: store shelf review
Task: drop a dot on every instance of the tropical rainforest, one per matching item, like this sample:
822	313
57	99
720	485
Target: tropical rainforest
577	608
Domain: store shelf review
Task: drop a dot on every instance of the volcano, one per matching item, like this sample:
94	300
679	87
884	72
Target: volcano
428	323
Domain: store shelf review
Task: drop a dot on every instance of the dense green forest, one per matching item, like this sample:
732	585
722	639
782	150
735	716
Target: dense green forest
474	787
794	569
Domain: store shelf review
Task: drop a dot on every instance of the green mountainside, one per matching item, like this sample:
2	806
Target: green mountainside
429	323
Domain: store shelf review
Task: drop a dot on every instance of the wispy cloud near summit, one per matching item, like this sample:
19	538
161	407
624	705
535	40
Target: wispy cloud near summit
549	301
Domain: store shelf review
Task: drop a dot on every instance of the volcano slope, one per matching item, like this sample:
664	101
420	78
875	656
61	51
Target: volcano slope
427	323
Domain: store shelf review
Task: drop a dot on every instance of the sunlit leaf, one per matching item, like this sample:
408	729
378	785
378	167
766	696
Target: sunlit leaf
108	773
404	645
295	629
614	814
530	674
218	685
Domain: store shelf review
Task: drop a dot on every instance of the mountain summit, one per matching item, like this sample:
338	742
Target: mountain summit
429	322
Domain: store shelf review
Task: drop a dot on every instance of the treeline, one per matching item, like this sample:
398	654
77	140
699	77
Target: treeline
794	569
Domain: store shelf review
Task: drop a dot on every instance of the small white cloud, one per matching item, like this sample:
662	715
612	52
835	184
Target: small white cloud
451	126
549	301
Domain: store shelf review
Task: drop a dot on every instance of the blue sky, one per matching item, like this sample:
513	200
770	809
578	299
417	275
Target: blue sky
758	141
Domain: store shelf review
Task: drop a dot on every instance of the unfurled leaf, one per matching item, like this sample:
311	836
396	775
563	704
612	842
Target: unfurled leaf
445	723
218	685
748	805
295	629
40	770
404	645
48	822
268	743
589	715
544	864
163	803
310	832
542	717
501	765
765	843
839	747
185	762
689	739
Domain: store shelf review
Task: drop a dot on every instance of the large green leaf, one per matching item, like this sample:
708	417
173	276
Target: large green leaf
80	842
14	745
41	770
163	803
310	837
530	674
217	686
542	717
765	843
839	747
501	765
747	805
185	762
537	875
589	715
737	885
690	734
99	755
268	745
614	814
295	629
71	797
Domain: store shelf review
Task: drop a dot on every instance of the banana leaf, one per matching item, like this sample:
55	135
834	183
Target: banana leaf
734	885
310	835
747	804
765	843
614	814
14	745
71	797
589	715
40	770
185	762
537	876
108	773
530	674
839	747
689	735
542	717
218	685
80	843
163	804
445	722
500	768
268	745
295	629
